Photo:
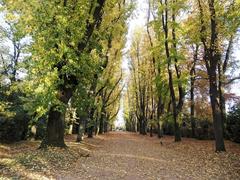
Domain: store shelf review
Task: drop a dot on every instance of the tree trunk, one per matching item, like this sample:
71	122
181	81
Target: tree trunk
192	117
216	111
101	125
90	129
56	119
143	126
221	97
151	131
212	57
159	130
105	130
80	133
177	131
144	132
193	74
160	111
55	129
81	128
176	109
70	130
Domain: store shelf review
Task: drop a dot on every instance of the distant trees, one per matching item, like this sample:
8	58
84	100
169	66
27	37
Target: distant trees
13	118
189	51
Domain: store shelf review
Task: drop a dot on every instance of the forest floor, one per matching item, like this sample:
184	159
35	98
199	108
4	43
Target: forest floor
120	155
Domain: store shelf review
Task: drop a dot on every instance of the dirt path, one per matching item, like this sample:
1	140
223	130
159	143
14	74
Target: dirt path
129	156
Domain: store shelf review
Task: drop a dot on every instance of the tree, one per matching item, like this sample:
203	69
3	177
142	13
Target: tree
172	56
212	43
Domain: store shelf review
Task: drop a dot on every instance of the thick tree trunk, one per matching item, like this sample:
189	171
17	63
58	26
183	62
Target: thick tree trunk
212	57
56	119
55	129
216	111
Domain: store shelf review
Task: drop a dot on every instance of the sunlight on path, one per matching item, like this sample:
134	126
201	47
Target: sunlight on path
129	156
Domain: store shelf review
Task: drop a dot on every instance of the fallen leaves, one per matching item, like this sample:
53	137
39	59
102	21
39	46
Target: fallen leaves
121	156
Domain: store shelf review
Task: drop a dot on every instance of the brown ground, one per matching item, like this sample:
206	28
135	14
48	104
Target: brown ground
121	155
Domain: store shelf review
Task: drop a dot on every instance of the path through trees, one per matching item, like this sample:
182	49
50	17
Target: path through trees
122	156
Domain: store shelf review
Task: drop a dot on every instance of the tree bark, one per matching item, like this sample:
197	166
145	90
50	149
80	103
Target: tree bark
55	125
192	79
55	129
90	128
217	116
175	108
212	58
101	125
81	128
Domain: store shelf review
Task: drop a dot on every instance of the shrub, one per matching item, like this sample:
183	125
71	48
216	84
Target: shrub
233	124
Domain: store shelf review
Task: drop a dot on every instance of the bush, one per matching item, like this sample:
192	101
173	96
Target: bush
13	129
13	118
233	124
168	127
203	129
